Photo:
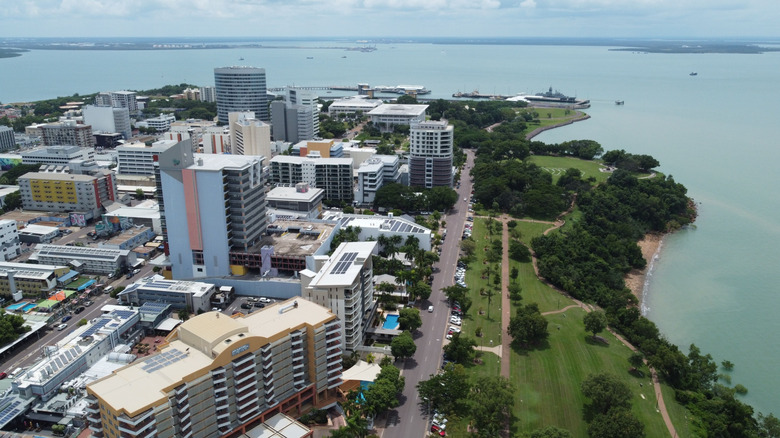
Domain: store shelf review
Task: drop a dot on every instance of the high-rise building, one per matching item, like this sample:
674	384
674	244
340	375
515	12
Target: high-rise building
67	133
201	239
430	154
248	135
138	159
118	99
241	89
108	119
216	140
7	139
208	94
334	175
344	283
64	192
297	117
217	376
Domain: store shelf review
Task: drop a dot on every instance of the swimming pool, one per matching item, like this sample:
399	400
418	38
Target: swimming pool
29	307
391	322
17	306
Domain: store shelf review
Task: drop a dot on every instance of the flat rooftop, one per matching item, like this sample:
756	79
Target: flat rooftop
292	194
344	265
295	238
126	235
194	346
394	109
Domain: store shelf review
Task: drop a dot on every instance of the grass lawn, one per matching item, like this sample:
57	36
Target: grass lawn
491	327
534	291
550	116
529	230
558	165
548	379
74	285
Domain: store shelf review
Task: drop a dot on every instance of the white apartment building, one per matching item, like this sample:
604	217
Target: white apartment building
138	159
248	135
353	104
371	227
430	154
334	175
118	99
57	155
345	284
308	121
9	240
108	119
370	179
208	94
301	201
388	115
160	123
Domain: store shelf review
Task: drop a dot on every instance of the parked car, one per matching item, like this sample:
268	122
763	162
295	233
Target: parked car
246	306
259	304
430	309
3	375
62	327
266	300
79	310
66	318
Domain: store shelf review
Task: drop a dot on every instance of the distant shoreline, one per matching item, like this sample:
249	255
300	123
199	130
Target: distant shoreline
650	245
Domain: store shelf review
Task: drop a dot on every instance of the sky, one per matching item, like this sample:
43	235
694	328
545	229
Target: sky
391	18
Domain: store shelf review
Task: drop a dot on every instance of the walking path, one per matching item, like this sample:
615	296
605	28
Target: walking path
506	312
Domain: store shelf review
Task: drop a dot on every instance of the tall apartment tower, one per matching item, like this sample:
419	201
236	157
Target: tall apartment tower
248	135
241	89
297	118
217	376
108	119
7	139
211	208
118	99
68	133
430	154
208	94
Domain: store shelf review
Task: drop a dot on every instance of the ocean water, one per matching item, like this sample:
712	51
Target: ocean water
715	284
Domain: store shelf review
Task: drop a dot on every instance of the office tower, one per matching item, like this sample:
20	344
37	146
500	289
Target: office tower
212	209
241	89
248	135
297	117
430	154
108	119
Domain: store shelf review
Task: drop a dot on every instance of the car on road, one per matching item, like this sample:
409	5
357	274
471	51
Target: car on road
3	375
129	275
108	289
66	318
430	309
62	327
135	271
79	310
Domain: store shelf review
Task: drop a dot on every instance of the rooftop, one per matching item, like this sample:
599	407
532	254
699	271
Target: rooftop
292	194
196	345
296	238
344	265
393	109
57	176
159	283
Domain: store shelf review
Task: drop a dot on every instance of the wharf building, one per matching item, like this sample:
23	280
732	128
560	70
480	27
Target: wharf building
344	283
333	175
63	192
387	116
219	376
241	89
430	154
67	133
7	138
212	209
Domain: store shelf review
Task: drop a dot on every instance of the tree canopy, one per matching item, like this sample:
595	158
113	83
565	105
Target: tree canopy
403	346
528	326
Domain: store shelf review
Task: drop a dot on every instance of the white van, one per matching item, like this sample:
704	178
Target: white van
108	289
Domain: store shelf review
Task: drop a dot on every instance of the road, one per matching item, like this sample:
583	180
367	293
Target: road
410	419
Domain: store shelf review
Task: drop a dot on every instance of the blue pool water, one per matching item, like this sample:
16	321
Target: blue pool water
29	307
391	322
17	306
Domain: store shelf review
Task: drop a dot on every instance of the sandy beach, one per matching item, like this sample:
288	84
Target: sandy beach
635	280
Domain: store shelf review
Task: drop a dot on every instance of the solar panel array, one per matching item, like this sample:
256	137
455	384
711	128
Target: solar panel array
153	307
344	263
95	327
124	314
10	412
163	359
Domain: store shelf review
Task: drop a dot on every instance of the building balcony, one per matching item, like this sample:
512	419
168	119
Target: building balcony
334	353
135	421
241	361
96	429
247	377
247	404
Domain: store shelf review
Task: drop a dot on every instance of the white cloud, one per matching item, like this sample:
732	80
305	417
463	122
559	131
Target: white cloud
528	4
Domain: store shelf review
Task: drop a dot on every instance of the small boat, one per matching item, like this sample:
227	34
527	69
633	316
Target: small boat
619	102
693	73
241	58
309	57
344	56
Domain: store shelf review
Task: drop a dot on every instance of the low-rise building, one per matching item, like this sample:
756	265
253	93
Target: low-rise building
216	376
76	353
371	227
387	116
126	217
352	105
160	123
129	238
85	259
37	233
57	155
301	201
28	278
192	295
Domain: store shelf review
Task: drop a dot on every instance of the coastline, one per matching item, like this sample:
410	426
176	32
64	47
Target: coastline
637	278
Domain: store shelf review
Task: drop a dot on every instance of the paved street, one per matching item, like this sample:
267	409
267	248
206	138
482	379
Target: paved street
409	419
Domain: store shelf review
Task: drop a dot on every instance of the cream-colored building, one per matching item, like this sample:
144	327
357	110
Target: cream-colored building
345	284
218	375
248	135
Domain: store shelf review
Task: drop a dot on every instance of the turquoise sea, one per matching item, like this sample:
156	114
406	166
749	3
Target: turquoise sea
715	284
